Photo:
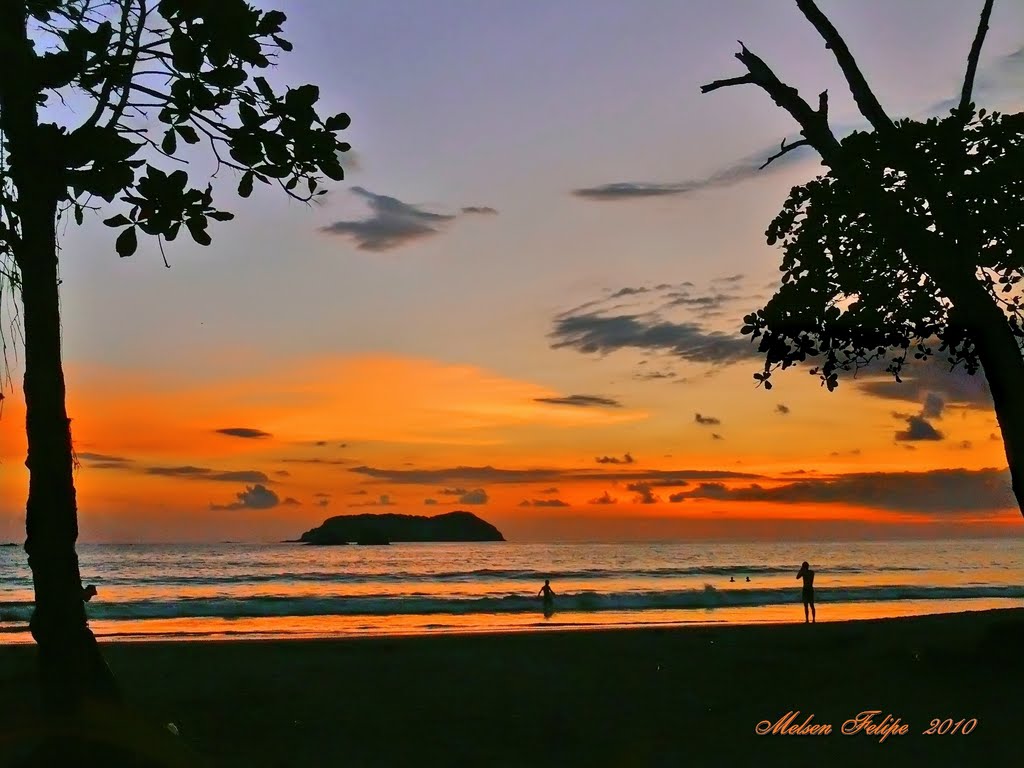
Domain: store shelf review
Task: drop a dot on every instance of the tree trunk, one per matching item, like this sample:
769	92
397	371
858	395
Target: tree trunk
70	663
1003	362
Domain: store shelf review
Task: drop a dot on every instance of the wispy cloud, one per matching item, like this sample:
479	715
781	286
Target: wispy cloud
581	401
543	503
488	474
392	223
244	432
604	498
706	420
213	475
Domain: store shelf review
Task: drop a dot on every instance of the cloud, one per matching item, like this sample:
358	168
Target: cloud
430	501
552	489
604	498
481	209
204	473
323	502
336	462
245	432
384	500
102	457
543	503
675	498
933	405
291	502
488	474
918	428
706	420
921	379
453	491
321	495
595	333
626	459
934	491
390	224
742	170
282	473
645	494
253	497
581	401
479	496
716	436
781	408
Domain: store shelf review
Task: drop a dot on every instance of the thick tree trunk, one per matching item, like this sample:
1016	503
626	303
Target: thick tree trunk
70	664
1001	357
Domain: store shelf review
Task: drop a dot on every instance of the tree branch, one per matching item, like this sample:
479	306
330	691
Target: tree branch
866	101
975	54
783	149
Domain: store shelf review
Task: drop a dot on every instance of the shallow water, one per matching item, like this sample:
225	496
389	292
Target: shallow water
160	591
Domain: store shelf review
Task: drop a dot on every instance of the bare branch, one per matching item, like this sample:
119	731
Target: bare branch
783	149
726	83
103	99
866	101
975	54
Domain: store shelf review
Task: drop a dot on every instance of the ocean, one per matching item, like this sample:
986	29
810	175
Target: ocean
210	591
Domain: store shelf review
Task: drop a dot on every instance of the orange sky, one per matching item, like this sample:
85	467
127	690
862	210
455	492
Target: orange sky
343	435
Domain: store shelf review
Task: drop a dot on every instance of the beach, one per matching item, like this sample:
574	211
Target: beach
641	697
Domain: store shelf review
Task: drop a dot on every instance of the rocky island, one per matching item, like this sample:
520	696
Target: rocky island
384	529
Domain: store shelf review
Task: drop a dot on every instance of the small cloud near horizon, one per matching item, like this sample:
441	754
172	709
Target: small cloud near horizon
247	433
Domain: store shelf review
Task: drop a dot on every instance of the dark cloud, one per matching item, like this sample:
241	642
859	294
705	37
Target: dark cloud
489	474
737	278
320	443
336	462
384	500
484	209
595	333
918	428
430	501
321	495
716	436
739	171
282	473
204	473
781	408
933	405
581	401
253	497
245	432
391	223
291	502
543	503
654	375
965	445
645	494
675	498
552	489
935	491
626	459
102	457
604	498
706	420
478	496
360	492
323	502
921	379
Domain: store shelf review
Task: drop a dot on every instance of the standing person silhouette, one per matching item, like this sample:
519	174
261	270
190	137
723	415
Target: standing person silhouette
549	597
807	594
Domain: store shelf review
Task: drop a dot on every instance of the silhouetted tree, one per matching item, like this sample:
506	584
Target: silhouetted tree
913	240
98	98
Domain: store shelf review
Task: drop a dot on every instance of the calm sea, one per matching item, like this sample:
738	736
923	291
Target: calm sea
166	591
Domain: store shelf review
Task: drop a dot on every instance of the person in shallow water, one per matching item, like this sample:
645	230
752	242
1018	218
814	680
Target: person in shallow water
807	594
549	597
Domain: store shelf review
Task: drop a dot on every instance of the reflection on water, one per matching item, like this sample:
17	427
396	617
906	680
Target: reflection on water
287	590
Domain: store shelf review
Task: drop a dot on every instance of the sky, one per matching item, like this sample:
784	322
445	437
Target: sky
524	299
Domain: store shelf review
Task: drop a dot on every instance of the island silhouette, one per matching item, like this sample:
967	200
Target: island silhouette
390	527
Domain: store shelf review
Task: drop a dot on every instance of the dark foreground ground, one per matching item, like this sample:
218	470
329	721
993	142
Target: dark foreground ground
667	697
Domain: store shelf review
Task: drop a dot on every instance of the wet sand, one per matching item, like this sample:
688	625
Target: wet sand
661	697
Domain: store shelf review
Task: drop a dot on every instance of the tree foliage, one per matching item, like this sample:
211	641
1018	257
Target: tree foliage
851	295
152	82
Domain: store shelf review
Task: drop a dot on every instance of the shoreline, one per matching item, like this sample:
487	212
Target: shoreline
614	697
